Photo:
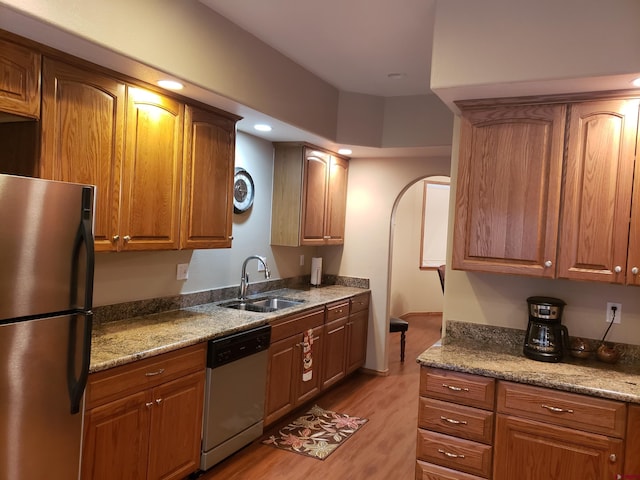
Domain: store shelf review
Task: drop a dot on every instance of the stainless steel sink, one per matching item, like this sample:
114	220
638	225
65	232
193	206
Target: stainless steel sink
262	304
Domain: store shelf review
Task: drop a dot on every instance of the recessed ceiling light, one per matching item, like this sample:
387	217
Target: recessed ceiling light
396	75
636	82
345	151
262	127
170	84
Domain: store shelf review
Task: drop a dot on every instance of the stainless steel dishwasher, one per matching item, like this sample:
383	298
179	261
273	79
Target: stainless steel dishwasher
234	394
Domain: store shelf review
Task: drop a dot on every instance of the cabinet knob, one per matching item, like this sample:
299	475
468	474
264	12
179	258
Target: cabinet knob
617	269
126	238
158	401
548	263
148	404
634	270
116	238
230	237
613	458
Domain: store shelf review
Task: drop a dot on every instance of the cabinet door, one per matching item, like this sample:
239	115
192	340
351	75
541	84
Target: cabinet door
116	438
283	356
597	190
19	80
176	427
632	460
633	254
207	198
335	352
336	201
529	450
357	337
508	190
152	172
314	202
82	138
305	390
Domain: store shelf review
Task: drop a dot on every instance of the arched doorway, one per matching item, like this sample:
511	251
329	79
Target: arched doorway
413	291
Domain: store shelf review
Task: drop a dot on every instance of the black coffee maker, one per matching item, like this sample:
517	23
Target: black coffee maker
546	336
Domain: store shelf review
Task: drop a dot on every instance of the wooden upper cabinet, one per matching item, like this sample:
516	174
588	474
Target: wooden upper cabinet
150	206
207	185
82	138
597	190
633	256
19	80
309	196
508	190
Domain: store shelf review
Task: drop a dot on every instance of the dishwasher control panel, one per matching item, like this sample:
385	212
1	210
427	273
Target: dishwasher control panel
233	347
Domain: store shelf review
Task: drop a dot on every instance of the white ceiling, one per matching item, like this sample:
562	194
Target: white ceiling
351	44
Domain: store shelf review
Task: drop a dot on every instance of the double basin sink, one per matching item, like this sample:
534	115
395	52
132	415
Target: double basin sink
262	304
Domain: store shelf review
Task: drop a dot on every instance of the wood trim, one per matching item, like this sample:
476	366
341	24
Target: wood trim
407	316
481	103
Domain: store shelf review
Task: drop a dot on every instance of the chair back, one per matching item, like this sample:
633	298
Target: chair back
441	270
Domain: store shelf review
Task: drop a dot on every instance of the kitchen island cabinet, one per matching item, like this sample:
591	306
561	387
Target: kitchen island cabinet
309	196
144	420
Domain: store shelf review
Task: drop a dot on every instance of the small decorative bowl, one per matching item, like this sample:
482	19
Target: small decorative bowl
608	353
581	348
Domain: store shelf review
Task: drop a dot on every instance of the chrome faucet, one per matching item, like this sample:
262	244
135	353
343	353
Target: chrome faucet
244	280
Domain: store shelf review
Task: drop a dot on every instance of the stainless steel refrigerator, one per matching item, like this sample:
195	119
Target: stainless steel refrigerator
46	288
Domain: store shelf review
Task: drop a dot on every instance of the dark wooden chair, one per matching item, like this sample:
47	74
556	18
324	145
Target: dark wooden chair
441	270
399	325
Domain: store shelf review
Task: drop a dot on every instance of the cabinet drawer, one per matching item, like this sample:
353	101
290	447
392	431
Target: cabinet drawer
336	311
458	420
590	414
108	385
455	453
428	471
360	302
464	388
297	323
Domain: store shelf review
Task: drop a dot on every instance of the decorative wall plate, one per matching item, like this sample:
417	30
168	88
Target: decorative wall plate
243	191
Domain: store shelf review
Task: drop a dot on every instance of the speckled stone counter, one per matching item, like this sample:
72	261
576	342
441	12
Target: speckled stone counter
124	341
497	353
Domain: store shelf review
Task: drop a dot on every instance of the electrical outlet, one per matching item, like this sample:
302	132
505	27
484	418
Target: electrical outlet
260	264
618	316
302	260
182	272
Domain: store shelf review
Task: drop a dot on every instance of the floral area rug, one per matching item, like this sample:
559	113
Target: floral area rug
317	433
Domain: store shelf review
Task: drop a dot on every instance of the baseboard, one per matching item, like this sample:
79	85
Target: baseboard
405	316
377	373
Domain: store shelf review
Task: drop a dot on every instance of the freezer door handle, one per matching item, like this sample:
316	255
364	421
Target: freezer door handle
76	385
84	237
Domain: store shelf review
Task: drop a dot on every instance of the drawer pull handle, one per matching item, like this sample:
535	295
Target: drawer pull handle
148	404
556	409
454	388
449	454
153	374
452	421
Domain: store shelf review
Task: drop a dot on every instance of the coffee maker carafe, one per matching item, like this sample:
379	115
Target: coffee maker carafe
546	336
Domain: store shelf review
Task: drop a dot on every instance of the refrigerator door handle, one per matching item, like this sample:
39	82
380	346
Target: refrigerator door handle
84	237
76	385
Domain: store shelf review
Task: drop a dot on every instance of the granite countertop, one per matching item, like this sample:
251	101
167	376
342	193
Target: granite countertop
473	349
124	341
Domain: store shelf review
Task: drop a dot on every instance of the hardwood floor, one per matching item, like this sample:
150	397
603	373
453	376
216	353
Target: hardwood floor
383	449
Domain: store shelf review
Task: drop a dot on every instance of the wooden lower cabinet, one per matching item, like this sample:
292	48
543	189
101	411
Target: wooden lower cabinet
144	420
339	348
530	450
539	433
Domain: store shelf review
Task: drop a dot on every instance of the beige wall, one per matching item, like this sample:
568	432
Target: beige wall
411	290
493	48
374	187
